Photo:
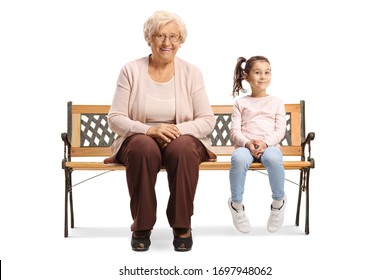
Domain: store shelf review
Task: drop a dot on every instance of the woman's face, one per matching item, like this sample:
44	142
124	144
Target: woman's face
163	45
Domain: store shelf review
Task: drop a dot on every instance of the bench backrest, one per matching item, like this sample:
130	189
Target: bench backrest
90	135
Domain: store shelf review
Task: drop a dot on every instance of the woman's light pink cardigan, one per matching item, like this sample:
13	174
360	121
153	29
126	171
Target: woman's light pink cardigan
194	115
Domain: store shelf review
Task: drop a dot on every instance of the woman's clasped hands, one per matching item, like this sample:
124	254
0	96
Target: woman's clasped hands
163	133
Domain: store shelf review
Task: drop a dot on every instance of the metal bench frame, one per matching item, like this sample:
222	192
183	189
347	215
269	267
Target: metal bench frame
88	135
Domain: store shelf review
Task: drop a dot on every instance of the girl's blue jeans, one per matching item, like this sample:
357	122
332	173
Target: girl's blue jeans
272	160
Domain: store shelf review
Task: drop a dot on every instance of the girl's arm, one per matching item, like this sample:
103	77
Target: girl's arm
236	134
280	127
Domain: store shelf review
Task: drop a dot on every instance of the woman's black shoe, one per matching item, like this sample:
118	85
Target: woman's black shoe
140	244
182	244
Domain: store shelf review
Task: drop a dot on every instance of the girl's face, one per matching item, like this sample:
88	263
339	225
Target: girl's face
259	76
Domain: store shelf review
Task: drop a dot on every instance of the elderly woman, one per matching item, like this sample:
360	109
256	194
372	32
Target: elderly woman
162	116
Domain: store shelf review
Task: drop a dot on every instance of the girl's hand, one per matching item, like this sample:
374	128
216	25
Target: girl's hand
256	147
255	152
260	144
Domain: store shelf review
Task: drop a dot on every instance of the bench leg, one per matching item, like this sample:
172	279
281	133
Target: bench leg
303	187
307	203
299	199
68	200
66	203
71	202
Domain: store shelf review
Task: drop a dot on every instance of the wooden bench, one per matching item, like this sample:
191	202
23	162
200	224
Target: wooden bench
88	136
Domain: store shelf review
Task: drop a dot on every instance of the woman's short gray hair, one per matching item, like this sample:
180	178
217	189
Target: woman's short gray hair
159	19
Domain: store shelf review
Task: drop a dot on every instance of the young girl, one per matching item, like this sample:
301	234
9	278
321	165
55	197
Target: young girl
258	126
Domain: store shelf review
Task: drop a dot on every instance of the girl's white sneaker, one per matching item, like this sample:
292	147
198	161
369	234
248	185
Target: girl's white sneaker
240	220
276	217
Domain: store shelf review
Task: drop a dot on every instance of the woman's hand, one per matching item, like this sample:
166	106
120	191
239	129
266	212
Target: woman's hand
161	143
163	133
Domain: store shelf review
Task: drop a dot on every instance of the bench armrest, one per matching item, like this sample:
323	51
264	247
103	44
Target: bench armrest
306	144
67	147
64	137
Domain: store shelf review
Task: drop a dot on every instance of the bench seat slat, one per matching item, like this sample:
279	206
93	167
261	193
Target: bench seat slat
222	165
220	151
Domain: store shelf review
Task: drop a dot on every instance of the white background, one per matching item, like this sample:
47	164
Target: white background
333	54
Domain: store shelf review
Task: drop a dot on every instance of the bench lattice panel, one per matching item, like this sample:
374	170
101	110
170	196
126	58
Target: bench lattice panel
221	133
95	131
286	141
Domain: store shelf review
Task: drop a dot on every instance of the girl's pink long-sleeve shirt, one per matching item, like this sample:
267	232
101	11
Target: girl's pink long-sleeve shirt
258	118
